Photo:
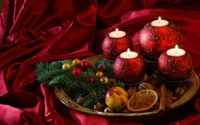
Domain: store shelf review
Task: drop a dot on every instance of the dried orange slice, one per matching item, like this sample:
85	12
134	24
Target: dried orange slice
142	101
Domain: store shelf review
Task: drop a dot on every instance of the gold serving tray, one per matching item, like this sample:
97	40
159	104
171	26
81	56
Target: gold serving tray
193	87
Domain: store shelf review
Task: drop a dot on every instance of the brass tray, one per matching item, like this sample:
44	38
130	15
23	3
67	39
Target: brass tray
193	87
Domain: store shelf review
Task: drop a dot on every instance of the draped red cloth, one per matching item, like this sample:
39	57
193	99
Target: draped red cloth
33	31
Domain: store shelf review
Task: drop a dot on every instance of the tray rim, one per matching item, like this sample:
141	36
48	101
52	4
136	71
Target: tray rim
66	100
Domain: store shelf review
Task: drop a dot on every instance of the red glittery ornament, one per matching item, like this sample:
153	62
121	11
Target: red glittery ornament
76	71
90	79
154	40
85	64
130	70
111	80
175	67
112	47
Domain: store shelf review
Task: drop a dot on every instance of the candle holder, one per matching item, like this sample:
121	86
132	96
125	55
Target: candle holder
175	65
115	43
158	36
129	68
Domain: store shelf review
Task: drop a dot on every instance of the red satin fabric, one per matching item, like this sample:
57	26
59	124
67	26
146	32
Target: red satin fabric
33	31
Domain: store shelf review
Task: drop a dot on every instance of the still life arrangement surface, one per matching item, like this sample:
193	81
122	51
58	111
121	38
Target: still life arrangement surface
124	83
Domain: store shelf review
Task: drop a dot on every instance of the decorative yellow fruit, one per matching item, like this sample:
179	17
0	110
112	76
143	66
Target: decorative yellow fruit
116	97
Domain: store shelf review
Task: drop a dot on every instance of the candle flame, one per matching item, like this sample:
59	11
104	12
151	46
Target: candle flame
176	48
117	31
159	19
128	51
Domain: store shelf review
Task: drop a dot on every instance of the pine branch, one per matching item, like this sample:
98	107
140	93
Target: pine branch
58	80
40	67
77	86
90	101
47	75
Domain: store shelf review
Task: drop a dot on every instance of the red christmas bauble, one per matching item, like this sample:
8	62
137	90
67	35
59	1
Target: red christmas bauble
85	64
175	68
130	70
154	40
112	47
76	71
90	79
111	80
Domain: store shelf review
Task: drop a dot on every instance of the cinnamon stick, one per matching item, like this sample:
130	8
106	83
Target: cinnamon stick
162	98
169	100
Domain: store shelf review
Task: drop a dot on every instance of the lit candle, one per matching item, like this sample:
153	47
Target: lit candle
115	43
129	54
117	34
159	22
175	64
129	67
176	51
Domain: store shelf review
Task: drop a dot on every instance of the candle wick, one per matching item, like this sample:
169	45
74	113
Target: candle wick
159	19
128	52
117	32
176	48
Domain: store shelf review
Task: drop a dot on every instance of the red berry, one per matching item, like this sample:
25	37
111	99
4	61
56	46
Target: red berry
90	79
76	71
85	64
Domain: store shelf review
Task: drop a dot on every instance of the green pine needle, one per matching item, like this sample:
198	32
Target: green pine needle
48	75
90	101
78	86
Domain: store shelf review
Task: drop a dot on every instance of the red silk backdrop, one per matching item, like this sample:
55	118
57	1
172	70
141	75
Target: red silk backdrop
33	31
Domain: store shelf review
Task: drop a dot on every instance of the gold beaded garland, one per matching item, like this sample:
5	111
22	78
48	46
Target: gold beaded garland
76	62
99	74
66	66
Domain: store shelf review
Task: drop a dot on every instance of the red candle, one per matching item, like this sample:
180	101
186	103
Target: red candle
115	43
129	67
158	36
175	64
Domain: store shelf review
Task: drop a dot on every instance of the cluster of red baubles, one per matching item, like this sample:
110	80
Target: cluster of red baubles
154	42
78	67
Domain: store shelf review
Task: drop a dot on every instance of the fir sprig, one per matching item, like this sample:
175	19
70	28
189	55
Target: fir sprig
54	75
90	101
